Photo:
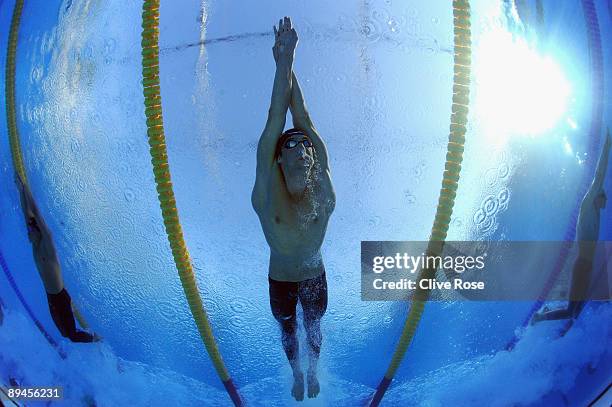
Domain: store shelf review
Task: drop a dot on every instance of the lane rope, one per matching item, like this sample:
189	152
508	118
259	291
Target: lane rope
450	183
9	91
161	171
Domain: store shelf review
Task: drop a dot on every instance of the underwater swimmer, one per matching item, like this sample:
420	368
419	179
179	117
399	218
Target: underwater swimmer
47	263
587	233
293	197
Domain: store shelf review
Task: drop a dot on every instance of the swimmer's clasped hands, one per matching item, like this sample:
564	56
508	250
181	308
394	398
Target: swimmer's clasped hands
285	41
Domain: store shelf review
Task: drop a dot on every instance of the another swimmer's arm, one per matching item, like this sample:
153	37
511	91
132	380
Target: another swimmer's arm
283	51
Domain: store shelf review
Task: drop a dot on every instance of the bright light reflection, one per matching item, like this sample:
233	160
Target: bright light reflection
518	90
567	146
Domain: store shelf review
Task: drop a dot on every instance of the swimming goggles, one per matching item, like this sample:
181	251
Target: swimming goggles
292	143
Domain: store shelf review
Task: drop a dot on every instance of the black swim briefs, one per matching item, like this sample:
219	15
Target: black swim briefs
60	306
312	294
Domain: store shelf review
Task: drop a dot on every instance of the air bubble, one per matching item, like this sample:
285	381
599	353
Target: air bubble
374	221
490	177
503	196
480	216
237	321
129	195
241	305
487	225
418	170
503	170
410	198
109	46
490	205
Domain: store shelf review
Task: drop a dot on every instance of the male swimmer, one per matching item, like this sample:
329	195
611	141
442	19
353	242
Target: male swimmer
587	233
47	263
293	197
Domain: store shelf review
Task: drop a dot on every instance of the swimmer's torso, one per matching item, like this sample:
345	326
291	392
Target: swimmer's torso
294	230
48	265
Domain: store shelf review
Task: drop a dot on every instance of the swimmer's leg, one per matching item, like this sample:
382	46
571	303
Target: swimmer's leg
564	313
576	308
313	296
283	300
572	311
60	306
581	276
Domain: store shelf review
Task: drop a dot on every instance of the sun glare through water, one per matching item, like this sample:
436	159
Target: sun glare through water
518	90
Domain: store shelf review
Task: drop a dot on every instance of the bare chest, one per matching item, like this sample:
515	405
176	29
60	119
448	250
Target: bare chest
295	229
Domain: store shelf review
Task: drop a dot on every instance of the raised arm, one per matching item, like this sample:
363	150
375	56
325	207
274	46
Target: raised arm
301	120
283	51
28	206
32	214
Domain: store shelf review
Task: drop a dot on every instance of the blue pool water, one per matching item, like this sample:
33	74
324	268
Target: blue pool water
377	77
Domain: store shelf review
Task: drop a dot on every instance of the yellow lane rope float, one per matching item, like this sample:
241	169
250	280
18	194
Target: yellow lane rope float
161	171
9	92
452	169
11	116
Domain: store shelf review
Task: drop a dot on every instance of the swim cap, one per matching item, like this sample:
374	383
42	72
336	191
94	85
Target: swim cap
283	138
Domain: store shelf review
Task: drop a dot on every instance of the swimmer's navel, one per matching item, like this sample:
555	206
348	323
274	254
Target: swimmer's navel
276	219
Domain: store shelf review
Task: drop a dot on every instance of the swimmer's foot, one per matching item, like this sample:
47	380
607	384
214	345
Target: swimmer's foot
298	386
539	316
313	385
